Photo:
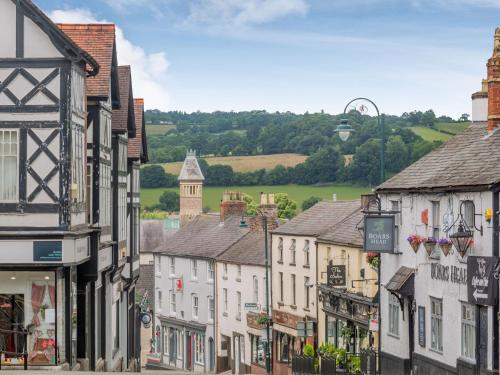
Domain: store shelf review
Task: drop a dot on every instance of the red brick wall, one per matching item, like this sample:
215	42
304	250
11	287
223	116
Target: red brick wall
494	85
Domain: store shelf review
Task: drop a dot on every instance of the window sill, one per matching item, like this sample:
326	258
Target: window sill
294	307
393	335
280	304
306	309
471	361
306	266
292	264
224	314
436	351
279	262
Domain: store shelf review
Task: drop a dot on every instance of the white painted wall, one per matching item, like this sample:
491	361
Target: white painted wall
479	109
8	27
37	43
244	283
425	287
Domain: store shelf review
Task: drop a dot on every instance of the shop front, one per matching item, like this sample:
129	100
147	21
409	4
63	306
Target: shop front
257	344
351	320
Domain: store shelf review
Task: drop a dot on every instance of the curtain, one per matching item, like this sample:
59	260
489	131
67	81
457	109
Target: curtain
52	295
37	295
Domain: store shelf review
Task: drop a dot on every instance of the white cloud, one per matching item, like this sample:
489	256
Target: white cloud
149	70
243	12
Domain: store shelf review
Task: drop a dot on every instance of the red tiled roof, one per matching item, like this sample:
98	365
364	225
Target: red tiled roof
120	116
135	149
99	41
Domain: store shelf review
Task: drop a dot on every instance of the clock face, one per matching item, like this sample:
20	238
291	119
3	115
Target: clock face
146	319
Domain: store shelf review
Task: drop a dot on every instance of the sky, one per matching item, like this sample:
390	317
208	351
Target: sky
298	55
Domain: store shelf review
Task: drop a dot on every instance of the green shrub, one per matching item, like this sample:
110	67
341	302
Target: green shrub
308	350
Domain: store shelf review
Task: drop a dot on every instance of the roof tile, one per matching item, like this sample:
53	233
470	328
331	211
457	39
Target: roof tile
121	115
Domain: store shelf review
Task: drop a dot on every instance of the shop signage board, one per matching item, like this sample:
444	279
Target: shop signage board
335	275
421	326
47	251
482	286
379	233
373	325
251	306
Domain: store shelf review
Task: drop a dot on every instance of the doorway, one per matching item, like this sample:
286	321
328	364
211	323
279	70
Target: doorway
189	352
11	319
211	353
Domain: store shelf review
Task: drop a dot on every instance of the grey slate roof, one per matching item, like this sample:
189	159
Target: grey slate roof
153	234
346	232
248	250
146	281
204	237
470	159
191	170
319	218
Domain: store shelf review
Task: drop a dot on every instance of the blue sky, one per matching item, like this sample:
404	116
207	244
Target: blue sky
299	55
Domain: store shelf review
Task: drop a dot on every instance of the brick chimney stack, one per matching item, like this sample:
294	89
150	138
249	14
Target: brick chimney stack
494	85
268	209
232	204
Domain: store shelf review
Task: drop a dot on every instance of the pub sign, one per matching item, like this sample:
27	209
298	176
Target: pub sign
379	233
482	286
335	275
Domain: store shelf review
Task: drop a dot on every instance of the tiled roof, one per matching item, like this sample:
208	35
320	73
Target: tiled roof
153	234
468	159
191	170
204	237
146	280
136	145
319	218
346	232
250	249
99	41
120	116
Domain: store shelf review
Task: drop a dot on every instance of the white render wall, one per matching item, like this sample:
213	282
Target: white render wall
202	287
300	272
228	323
451	293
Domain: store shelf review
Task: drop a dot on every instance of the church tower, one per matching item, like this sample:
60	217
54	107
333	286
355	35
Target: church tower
191	188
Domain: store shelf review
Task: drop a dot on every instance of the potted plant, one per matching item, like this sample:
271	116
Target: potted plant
445	245
373	259
414	240
263	320
430	245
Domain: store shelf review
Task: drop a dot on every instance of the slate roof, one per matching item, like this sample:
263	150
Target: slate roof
146	280
346	232
250	249
99	41
204	237
469	159
191	170
120	118
319	218
137	148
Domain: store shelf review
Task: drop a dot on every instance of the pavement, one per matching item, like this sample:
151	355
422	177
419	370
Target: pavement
144	371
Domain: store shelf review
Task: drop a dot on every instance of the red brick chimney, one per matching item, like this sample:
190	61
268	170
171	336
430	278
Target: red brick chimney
232	204
494	85
268	209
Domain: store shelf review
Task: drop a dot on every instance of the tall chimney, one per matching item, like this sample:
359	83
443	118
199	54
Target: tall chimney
494	85
367	200
232	205
480	103
268	209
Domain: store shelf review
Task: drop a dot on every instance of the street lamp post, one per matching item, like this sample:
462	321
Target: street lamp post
345	130
266	249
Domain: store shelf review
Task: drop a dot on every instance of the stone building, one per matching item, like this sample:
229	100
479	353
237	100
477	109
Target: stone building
191	188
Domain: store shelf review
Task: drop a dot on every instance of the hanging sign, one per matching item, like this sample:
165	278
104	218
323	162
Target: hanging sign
421	326
178	285
379	233
482	287
335	275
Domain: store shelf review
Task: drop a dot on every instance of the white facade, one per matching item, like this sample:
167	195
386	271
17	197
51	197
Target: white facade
452	291
185	316
238	284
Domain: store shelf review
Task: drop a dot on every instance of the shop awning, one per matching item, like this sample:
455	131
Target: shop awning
402	282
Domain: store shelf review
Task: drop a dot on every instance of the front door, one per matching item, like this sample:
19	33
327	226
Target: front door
237	354
483	340
189	352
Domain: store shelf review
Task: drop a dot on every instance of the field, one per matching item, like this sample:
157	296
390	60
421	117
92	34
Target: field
430	135
212	195
158	129
246	163
452	127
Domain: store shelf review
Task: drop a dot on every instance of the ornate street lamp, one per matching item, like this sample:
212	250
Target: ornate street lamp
345	130
462	239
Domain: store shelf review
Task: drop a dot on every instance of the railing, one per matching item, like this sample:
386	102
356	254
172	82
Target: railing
364	363
23	342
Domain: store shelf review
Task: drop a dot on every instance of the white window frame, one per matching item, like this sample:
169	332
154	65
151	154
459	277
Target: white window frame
238	305
194	269
307	297
396	206
158	265
210	271
293	252
211	308
224	270
280	250
468	331
238	272
393	321
172	265
3	156
307	253
199	349
224	301
281	288
293	283
255	289
437	324
195	303
173	303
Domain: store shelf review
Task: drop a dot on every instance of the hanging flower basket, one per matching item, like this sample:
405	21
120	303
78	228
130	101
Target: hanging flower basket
373	259
430	245
445	244
414	240
469	244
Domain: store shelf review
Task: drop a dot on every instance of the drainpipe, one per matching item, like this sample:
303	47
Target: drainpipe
495	250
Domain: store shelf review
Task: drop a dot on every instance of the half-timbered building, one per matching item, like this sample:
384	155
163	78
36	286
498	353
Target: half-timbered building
44	228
